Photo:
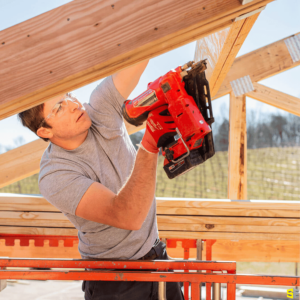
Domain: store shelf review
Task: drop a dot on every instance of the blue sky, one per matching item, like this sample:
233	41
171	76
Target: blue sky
279	20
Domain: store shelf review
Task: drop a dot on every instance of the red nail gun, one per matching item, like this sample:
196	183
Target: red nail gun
186	92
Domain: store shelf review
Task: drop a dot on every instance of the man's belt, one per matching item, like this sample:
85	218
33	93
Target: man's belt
154	251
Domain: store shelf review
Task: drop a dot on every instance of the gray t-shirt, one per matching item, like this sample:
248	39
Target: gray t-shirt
106	156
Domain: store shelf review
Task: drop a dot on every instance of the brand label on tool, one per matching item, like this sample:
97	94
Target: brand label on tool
145	99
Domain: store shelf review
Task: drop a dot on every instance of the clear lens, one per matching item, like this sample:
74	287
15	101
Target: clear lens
60	107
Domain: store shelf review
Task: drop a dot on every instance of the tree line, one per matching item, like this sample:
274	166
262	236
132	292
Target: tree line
263	131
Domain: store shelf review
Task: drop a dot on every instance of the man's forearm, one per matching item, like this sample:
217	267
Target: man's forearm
126	80
136	196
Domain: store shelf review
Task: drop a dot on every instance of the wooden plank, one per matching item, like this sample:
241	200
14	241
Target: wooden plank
259	64
220	50
237	150
38	230
210	48
228	212
225	203
275	98
21	162
246	229
34	219
36	55
229	236
16	202
183	223
211	220
247	251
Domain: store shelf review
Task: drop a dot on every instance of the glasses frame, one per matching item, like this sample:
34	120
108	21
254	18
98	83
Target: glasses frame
68	97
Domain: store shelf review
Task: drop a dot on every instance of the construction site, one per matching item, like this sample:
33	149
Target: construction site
188	109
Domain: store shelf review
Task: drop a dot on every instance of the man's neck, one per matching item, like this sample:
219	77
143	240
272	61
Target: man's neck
72	143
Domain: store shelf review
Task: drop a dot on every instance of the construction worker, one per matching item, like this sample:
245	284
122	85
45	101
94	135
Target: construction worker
92	173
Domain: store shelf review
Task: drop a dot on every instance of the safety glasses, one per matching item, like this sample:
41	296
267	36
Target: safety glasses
60	107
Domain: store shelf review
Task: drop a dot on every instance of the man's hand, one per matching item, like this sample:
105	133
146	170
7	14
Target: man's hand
160	127
126	80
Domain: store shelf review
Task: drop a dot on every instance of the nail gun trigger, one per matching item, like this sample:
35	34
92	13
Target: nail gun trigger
169	154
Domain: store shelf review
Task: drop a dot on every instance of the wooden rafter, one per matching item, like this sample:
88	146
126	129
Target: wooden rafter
259	64
275	98
220	50
21	162
84	41
237	151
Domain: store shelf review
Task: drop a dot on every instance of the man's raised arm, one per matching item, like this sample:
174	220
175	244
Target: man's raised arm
126	80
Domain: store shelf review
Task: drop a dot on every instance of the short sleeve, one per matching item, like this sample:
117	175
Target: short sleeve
106	99
64	189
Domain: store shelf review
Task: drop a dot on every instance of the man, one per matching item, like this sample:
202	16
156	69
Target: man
92	173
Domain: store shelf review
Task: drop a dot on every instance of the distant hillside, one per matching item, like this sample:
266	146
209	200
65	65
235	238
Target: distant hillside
273	173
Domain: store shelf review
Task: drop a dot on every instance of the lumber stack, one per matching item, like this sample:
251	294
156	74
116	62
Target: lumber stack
246	230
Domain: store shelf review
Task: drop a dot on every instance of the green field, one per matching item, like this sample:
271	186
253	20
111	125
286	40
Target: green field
273	174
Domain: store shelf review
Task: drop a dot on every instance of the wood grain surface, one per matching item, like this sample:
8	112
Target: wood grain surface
259	64
84	41
237	149
275	98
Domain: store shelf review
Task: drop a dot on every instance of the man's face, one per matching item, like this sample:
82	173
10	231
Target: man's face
71	123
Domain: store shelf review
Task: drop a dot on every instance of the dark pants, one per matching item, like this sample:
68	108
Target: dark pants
131	290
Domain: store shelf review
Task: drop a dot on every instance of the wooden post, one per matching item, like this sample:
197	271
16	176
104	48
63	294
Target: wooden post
237	150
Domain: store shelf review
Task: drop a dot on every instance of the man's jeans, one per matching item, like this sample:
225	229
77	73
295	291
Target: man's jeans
131	290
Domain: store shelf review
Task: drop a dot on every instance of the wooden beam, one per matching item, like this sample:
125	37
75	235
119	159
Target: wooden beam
259	64
229	212
172	223
73	45
275	98
220	50
38	230
225	203
17	202
237	151
228	220
21	162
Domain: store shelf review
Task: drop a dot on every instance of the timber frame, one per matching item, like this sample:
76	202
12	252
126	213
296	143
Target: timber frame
42	49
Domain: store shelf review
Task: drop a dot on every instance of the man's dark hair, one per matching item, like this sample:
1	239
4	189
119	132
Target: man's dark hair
32	118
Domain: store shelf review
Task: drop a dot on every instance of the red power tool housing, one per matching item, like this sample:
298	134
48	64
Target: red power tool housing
185	90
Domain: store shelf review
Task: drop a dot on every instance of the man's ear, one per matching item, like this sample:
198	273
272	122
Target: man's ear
45	133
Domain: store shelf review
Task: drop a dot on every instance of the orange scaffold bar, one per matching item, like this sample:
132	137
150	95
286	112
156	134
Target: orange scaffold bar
158	270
